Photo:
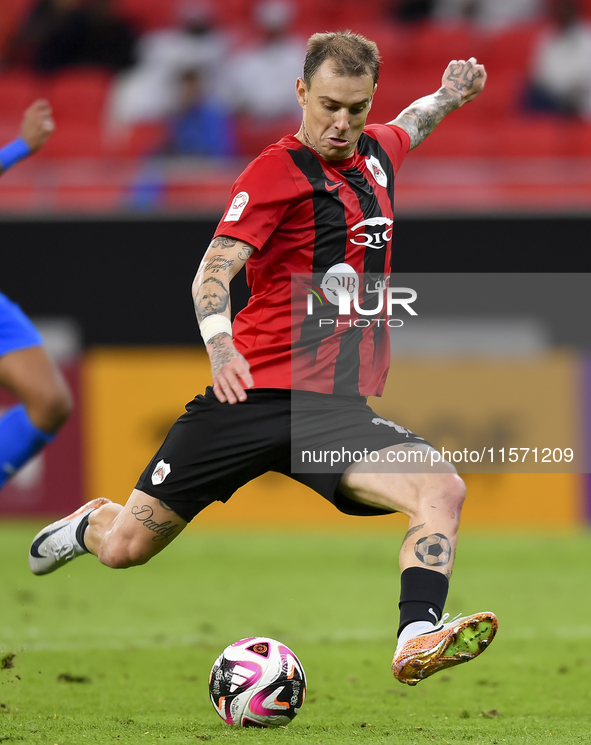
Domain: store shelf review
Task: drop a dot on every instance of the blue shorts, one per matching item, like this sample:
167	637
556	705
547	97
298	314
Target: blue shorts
16	330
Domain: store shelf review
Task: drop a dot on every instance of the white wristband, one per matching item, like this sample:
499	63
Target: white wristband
213	325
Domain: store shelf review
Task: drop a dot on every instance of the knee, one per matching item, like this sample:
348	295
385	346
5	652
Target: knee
444	492
50	409
122	555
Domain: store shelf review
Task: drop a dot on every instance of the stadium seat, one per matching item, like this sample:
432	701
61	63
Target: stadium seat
527	137
79	95
138	142
454	138
89	198
436	45
18	89
501	97
12	13
254	136
512	49
147	15
73	140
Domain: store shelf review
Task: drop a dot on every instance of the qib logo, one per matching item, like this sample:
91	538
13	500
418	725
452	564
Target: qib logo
341	286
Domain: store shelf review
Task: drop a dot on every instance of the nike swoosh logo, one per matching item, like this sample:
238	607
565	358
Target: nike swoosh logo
35	547
431	631
328	187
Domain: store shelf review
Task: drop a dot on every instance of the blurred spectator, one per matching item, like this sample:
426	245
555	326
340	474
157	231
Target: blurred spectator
260	81
561	69
67	33
411	11
200	126
149	92
490	13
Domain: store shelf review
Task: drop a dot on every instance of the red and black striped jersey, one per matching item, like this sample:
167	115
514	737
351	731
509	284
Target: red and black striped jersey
306	215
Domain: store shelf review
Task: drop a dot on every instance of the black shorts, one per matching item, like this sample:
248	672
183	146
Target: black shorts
214	448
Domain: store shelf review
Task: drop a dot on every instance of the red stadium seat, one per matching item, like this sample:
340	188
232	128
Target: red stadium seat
528	137
147	15
500	99
512	49
79	95
454	138
141	140
254	136
437	45
71	140
18	89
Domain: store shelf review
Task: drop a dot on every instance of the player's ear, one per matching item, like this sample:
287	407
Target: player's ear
301	92
375	87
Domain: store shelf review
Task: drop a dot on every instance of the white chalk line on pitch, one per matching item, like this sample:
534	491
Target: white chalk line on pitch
337	636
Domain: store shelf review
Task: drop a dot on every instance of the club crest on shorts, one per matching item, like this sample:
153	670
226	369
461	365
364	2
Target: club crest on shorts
160	472
376	170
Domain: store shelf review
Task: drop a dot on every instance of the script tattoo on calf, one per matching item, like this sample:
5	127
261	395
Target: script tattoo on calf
144	515
434	550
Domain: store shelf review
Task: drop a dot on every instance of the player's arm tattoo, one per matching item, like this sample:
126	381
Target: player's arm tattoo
223	241
463	77
422	116
244	251
212	297
163	530
220	351
434	550
217	264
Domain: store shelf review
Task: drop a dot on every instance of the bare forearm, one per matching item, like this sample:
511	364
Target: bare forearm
462	81
423	115
211	288
211	296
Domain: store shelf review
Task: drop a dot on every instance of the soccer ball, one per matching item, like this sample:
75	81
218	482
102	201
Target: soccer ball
257	682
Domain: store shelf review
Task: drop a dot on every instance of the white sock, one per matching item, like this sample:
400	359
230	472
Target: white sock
413	629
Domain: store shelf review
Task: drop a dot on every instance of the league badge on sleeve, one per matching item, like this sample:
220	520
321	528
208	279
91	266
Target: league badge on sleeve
375	168
237	207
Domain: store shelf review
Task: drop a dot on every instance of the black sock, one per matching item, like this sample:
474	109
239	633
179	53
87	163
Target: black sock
421	590
81	529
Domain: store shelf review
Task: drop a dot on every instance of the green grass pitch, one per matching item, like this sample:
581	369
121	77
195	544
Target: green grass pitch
103	656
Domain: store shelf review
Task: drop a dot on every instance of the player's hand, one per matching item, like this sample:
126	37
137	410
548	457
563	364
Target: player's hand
464	79
37	124
230	371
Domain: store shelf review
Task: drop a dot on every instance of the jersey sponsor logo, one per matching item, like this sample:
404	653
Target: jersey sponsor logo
377	237
375	168
333	186
160	472
237	207
339	276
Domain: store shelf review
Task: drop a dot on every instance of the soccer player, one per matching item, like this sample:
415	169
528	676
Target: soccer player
298	209
26	370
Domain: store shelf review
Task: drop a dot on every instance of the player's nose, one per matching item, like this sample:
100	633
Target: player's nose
342	120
